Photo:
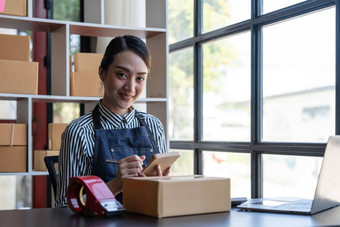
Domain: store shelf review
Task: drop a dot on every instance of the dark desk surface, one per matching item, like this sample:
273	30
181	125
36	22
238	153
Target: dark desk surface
63	217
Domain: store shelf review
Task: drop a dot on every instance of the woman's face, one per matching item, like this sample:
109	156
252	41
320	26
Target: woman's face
124	82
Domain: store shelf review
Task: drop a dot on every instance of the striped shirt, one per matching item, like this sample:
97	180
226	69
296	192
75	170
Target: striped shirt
77	144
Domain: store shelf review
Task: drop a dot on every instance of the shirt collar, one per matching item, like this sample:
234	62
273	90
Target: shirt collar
116	119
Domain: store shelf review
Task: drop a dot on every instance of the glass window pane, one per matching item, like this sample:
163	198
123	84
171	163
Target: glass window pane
290	176
184	165
181	95
8	110
299	79
68	10
65	112
16	192
226	89
74	44
272	5
217	13
181	20
235	166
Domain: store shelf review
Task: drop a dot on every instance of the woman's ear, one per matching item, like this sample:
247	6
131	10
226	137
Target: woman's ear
101	74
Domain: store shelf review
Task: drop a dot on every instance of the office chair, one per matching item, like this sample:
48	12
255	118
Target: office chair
51	163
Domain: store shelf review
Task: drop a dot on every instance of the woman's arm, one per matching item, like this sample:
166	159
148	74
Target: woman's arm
72	160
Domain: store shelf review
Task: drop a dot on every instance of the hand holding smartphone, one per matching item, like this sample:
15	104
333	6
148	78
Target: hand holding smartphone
164	160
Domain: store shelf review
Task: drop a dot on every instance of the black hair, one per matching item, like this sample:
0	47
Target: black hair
124	43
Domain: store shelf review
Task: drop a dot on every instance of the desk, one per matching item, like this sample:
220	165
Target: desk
63	217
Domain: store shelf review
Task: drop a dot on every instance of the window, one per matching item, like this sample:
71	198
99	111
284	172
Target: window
231	165
8	110
182	11
226	89
290	176
184	165
299	74
217	14
260	94
181	105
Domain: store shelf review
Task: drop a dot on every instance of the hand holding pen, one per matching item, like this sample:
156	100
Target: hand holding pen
129	166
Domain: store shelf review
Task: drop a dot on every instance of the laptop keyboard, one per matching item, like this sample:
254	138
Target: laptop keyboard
298	205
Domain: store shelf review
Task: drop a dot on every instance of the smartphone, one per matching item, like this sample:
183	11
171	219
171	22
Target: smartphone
164	160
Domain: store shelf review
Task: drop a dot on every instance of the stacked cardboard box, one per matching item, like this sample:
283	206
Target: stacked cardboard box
17	74
13	147
14	7
55	131
84	80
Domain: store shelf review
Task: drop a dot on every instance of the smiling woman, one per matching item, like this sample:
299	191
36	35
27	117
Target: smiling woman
124	82
114	129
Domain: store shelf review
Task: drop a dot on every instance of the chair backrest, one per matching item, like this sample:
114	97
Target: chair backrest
51	163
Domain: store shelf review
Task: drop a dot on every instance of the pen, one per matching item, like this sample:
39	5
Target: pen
116	162
112	161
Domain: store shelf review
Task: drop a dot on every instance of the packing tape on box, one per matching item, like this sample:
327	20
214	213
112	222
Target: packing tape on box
89	195
12	136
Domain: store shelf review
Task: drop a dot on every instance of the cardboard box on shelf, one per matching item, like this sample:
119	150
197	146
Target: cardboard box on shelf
15	47
14	7
176	196
38	160
55	131
13	134
87	62
86	84
13	158
20	77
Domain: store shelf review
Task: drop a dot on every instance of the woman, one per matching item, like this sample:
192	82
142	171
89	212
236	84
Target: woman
114	129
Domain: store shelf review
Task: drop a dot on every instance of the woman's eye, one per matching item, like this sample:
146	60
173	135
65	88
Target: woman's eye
122	75
140	78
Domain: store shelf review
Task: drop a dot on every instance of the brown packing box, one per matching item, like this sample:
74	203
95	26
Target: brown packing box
55	131
15	47
175	196
39	155
13	159
87	62
13	134
14	7
18	77
86	84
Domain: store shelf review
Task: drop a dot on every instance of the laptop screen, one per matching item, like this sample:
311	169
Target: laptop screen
327	191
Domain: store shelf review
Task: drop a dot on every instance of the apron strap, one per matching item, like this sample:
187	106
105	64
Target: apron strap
141	119
96	118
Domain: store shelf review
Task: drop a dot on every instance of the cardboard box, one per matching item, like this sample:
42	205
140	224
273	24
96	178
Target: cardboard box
86	84
14	7
55	131
19	77
87	62
38	160
13	134
15	47
175	196
13	159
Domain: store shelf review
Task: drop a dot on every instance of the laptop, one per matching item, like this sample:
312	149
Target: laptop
327	193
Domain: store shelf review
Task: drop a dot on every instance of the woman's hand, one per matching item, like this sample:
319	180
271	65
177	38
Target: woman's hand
159	171
130	166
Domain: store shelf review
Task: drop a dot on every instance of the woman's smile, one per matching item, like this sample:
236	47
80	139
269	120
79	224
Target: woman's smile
126	97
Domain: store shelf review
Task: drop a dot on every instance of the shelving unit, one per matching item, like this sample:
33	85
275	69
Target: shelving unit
155	34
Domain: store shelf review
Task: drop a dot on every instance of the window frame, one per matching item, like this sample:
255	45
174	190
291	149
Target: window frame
256	148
